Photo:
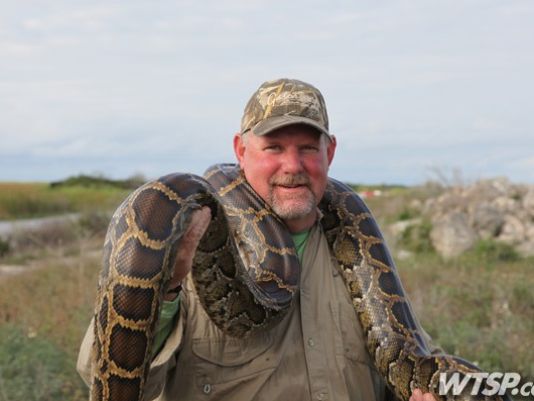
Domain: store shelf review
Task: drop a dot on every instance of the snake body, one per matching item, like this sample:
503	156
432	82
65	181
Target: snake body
246	273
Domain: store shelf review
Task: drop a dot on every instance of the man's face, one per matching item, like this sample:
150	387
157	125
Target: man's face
288	169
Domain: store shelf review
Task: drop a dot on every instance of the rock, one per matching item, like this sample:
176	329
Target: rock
416	204
403	254
494	209
513	231
451	235
526	248
528	202
451	201
398	228
485	219
505	204
488	189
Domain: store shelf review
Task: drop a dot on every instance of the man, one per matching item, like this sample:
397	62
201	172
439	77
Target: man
317	352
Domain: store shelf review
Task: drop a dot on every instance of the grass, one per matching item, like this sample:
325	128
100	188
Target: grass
43	315
29	200
476	308
45	310
479	306
479	309
34	368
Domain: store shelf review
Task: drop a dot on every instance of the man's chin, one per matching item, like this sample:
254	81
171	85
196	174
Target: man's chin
293	210
295	204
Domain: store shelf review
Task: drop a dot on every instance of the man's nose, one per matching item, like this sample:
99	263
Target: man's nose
292	162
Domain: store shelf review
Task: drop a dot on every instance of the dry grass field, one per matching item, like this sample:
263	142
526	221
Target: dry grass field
478	306
27	200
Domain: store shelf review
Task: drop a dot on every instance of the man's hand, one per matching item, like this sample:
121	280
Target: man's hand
418	395
200	220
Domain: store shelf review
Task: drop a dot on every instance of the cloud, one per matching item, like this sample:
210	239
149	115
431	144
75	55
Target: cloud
85	18
162	86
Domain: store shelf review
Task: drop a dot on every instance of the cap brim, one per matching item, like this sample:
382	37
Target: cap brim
270	124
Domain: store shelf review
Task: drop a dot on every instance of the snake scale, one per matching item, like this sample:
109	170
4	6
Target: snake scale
246	273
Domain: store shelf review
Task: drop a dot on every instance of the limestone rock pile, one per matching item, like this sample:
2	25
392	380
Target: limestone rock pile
493	209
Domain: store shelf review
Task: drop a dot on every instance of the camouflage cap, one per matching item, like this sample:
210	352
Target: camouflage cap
284	102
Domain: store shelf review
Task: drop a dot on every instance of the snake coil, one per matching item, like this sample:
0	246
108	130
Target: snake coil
246	273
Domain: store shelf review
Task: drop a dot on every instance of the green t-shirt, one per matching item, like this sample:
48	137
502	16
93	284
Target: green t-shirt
300	240
170	309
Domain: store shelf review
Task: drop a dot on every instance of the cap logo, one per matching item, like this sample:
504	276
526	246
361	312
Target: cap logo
271	100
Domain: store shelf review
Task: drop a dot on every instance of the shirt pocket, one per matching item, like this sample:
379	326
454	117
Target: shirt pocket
351	341
361	377
226	365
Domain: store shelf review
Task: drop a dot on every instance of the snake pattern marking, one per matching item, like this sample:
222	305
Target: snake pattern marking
246	273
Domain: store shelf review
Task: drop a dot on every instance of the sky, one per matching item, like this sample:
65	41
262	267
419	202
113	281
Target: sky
412	87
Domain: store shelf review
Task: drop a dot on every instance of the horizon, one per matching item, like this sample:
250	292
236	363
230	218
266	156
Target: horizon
454	179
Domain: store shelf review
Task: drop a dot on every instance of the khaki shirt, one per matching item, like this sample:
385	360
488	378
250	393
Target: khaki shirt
317	352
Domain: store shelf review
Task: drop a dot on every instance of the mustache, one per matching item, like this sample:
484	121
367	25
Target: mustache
290	180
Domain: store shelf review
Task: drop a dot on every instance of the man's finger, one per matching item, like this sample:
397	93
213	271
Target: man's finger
428	397
191	237
188	244
417	395
200	221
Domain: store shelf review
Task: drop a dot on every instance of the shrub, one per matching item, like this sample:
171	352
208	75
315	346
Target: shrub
489	249
35	369
416	238
4	247
94	222
406	214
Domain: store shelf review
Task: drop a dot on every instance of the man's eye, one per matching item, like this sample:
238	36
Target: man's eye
272	148
309	149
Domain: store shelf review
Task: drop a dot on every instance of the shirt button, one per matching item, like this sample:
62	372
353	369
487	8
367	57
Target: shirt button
207	388
311	343
322	396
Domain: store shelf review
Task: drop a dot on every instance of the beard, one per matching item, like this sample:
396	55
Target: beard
291	205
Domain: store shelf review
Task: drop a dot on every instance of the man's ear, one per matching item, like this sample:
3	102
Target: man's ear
331	149
239	149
